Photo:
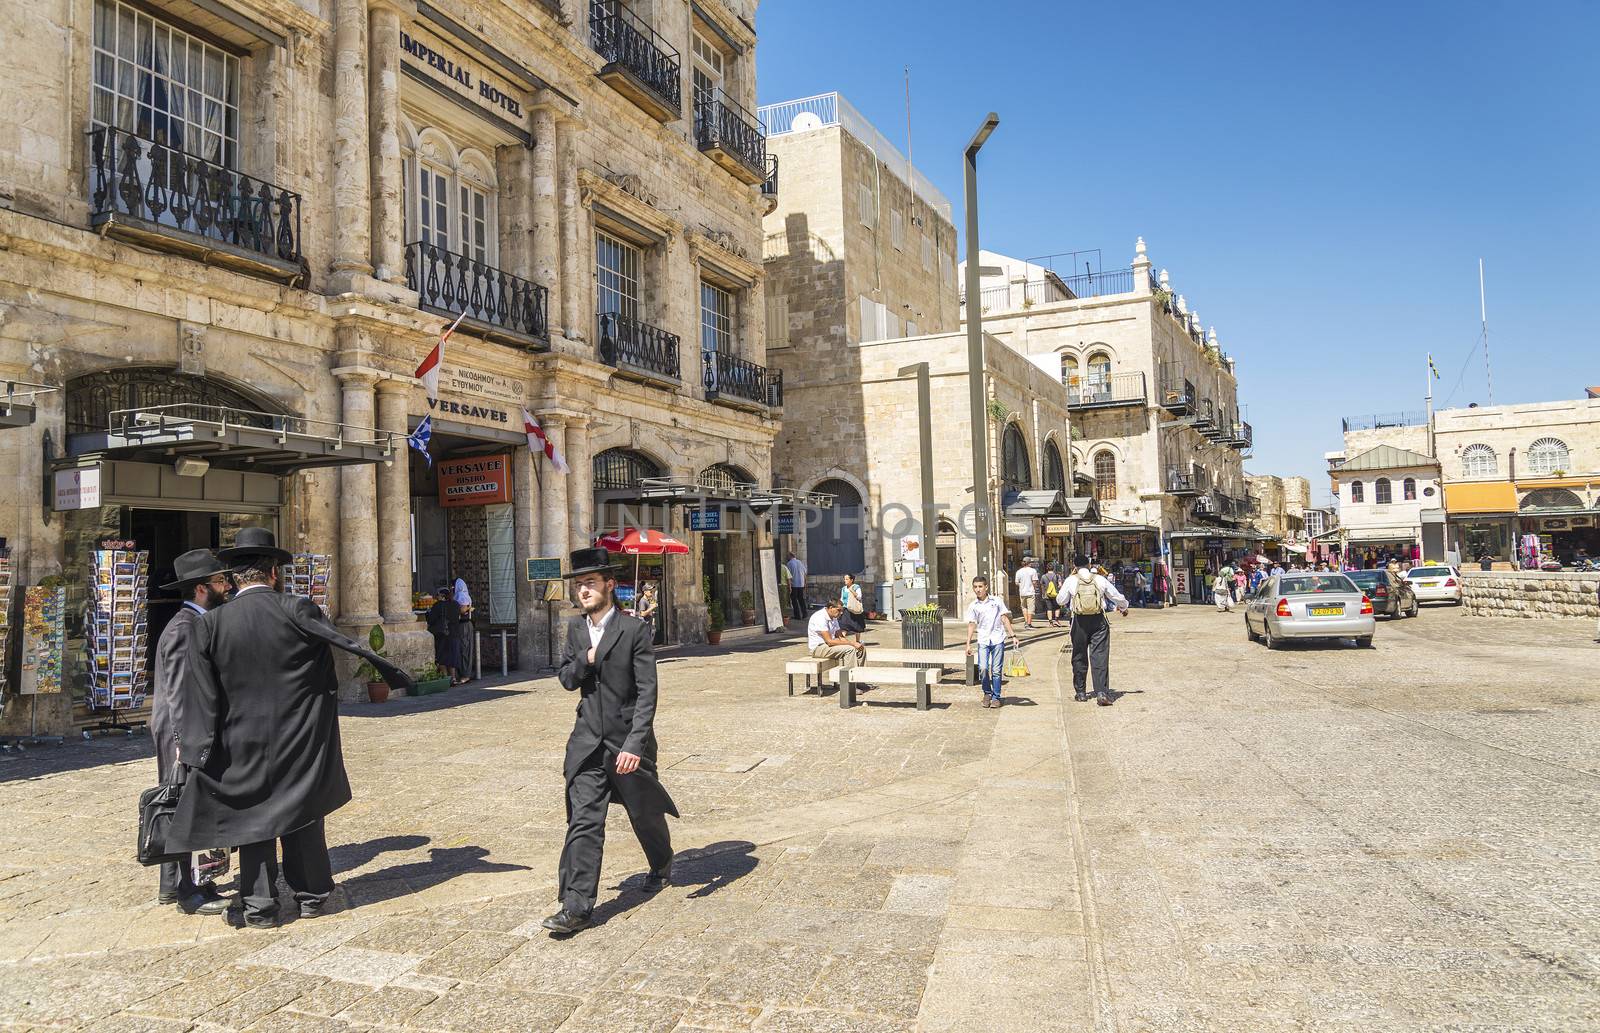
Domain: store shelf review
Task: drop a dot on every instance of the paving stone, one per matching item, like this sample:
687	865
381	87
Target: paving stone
489	1010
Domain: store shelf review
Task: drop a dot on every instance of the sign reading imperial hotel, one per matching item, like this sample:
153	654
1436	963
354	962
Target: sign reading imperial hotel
405	170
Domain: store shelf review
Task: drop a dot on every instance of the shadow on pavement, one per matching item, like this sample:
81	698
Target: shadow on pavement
350	856
711	868
460	696
77	754
443	864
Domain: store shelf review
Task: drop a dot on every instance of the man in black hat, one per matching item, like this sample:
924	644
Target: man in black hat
203	582
261	735
612	750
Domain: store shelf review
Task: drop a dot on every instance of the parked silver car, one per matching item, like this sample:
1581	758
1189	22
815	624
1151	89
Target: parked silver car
1308	606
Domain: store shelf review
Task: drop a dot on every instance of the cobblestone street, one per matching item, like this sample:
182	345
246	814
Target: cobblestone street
1322	838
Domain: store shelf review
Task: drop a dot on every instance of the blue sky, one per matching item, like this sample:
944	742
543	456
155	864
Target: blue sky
1319	179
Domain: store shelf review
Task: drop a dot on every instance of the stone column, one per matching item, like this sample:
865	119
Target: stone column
358	517
530	597
580	493
574	321
352	186
546	214
394	508
388	191
553	499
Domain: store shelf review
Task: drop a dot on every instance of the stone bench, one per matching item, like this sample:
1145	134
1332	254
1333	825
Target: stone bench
921	677
811	667
943	657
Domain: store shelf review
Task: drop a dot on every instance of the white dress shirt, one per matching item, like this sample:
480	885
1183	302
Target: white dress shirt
598	631
1102	585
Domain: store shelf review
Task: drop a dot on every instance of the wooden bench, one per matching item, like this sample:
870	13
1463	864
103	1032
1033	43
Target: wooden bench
921	677
943	657
811	667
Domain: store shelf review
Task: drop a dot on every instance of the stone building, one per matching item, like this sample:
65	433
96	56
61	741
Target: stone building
1389	503
1278	507
230	231
1154	400
859	249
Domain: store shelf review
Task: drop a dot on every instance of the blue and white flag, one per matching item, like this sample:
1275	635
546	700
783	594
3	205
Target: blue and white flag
419	438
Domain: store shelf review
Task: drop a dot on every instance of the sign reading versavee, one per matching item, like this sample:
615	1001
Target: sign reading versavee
479	481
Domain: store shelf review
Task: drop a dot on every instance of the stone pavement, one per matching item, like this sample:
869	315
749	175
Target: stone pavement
1317	839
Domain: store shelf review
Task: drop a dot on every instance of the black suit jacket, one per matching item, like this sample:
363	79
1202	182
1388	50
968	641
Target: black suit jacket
260	726
617	703
172	674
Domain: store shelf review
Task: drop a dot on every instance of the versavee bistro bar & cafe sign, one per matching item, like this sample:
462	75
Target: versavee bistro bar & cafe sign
478	481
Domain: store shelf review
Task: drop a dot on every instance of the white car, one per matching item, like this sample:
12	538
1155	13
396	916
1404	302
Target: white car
1435	583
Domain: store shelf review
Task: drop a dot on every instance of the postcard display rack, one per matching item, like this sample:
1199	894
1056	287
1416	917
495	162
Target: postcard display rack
5	619
117	629
308	576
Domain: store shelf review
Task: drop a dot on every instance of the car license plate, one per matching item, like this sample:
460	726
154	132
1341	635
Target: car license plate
1327	611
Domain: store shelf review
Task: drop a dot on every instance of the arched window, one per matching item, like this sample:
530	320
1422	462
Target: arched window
838	545
1105	476
1099	373
1478	461
1547	455
93	397
723	478
450	196
1016	471
1409	487
620	469
1551	500
1358	492
1382	494
1069	370
1055	474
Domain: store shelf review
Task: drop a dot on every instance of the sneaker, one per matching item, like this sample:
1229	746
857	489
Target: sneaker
996	703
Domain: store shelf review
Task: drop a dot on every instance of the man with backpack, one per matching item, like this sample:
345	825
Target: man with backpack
1086	594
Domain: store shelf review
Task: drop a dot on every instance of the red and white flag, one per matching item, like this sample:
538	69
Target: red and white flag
428	372
537	442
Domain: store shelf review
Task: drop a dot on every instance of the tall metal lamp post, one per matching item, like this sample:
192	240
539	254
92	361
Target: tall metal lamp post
930	510
983	527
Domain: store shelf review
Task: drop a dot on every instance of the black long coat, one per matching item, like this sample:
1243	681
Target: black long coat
172	674
260	727
617	705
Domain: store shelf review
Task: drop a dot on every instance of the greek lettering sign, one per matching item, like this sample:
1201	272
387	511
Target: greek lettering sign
479	481
464	380
442	63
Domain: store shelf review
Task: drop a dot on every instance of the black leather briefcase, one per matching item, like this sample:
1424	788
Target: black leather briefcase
156	809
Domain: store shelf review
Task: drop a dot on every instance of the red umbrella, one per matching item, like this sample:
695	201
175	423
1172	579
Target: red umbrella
635	542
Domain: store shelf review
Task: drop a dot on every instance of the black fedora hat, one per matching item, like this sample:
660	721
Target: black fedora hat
251	542
590	561
195	566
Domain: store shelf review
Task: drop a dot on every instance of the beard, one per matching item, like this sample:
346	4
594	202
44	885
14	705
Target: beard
214	598
600	602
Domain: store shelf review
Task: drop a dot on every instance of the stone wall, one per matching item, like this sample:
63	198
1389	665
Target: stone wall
1530	593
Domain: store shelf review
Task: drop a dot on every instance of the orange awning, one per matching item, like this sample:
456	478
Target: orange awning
1488	497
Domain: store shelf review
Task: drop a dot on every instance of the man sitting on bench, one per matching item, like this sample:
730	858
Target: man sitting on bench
826	640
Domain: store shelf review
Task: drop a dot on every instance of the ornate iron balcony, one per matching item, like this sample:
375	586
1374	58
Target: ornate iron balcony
1180	483
731	136
1106	392
155	195
1177	395
498	306
730	380
636	348
639	64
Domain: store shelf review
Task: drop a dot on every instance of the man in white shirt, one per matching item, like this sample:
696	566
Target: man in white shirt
825	639
1085	594
797	587
988	621
1222	589
1027	582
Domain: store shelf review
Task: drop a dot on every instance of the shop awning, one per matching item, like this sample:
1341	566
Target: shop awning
1298	550
1051	505
233	439
17	408
1486	497
1381	534
16	414
692	492
1117	529
1224	533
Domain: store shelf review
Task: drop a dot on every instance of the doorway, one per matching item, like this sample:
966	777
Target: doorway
947	568
168	534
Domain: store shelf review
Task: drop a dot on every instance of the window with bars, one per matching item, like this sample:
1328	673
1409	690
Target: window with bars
1016	469
158	82
716	318
1548	455
616	275
1478	461
1105	476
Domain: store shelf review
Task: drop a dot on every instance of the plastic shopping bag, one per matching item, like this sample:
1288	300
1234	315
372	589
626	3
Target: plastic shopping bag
1016	664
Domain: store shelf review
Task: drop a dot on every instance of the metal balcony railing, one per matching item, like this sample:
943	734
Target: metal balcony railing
1180	483
724	128
1381	421
1105	392
494	302
631	47
769	186
1177	396
1101	284
739	382
151	191
1243	436
634	345
1205	415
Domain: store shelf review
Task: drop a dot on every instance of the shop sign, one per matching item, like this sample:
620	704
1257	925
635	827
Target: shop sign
1555	524
78	488
1018	529
441	63
479	481
1581	521
786	522
544	568
1180	581
1058	527
708	519
464	380
469	410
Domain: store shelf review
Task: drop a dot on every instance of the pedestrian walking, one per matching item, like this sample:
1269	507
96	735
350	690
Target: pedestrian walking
202	580
610	662
465	637
1049	591
1222	589
853	615
1088	595
260	735
989	626
797	587
444	617
1027	584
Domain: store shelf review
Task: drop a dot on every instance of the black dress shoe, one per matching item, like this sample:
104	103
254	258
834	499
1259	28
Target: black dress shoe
1081	697
197	903
1103	699
657	881
565	923
239	920
166	898
313	910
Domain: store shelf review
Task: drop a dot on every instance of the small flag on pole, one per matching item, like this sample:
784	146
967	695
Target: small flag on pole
419	438
428	372
537	442
1432	368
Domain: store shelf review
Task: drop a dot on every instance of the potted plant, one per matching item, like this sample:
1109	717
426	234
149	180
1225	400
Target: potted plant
430	678
715	620
377	688
747	607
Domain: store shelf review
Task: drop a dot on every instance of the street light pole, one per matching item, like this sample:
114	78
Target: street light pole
930	510
982	528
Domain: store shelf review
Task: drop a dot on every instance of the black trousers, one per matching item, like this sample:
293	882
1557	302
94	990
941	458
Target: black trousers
1091	652
306	869
588	796
797	603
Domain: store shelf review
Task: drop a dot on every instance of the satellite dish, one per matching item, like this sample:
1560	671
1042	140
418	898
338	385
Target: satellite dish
805	120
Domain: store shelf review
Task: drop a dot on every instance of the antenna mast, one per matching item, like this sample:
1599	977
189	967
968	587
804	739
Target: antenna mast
910	154
1483	316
